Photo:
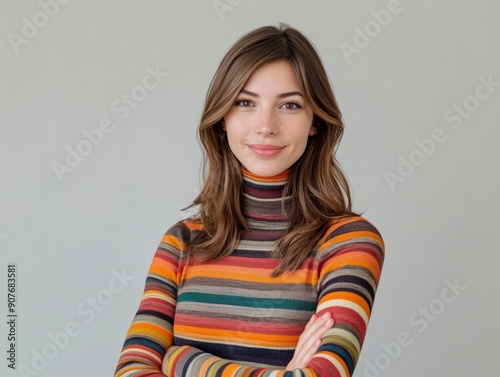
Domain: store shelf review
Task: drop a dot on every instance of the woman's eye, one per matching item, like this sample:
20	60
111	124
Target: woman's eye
243	103
291	105
287	105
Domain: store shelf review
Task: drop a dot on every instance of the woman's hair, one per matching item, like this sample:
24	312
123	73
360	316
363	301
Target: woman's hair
319	189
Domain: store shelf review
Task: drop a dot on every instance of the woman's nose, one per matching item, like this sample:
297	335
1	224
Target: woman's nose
267	123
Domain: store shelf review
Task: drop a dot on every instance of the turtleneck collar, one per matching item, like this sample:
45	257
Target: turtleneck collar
262	199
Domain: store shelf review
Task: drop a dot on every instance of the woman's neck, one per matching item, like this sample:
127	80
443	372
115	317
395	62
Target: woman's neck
263	200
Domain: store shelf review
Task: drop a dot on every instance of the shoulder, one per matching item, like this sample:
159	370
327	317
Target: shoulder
349	233
180	234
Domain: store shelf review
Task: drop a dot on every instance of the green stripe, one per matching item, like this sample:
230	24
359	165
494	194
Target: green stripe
250	302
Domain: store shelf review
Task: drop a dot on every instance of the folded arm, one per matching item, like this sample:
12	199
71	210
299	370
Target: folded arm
150	334
350	260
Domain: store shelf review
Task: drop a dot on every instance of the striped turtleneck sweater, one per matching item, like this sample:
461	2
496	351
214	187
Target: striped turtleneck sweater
230	317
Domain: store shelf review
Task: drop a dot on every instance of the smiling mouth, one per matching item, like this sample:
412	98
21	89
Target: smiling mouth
265	150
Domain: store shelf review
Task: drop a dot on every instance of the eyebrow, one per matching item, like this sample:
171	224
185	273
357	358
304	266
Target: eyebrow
282	95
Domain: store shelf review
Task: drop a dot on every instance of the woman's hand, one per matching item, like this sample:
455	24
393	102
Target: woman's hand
310	340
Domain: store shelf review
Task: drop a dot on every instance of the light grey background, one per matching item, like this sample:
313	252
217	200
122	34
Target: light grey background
69	238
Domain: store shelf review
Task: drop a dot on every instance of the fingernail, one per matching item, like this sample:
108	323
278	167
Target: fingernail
325	316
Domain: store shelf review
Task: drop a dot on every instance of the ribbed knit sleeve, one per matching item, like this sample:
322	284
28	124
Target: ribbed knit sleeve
350	258
150	333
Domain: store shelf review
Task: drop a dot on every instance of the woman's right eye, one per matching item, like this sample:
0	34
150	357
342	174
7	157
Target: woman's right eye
243	102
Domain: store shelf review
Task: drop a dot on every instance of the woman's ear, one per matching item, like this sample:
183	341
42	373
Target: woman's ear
313	131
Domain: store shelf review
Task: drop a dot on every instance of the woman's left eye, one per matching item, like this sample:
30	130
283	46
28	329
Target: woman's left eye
243	102
291	105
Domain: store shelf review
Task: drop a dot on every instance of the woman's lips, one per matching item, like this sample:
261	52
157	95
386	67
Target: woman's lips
265	150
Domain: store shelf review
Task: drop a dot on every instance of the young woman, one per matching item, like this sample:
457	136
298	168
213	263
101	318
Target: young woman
275	275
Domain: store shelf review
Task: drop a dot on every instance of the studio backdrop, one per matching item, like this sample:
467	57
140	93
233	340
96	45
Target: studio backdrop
99	105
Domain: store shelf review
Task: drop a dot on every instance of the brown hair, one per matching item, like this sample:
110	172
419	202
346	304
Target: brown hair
318	186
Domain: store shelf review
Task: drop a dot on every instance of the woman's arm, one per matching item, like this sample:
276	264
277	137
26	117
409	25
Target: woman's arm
150	334
350	260
310	340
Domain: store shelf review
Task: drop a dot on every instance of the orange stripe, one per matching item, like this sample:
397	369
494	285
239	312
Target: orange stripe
174	241
353	258
207	364
335	224
193	225
257	275
278	177
250	338
149	329
353	297
229	370
351	236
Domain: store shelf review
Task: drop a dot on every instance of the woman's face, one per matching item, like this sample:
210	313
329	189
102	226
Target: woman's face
269	123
